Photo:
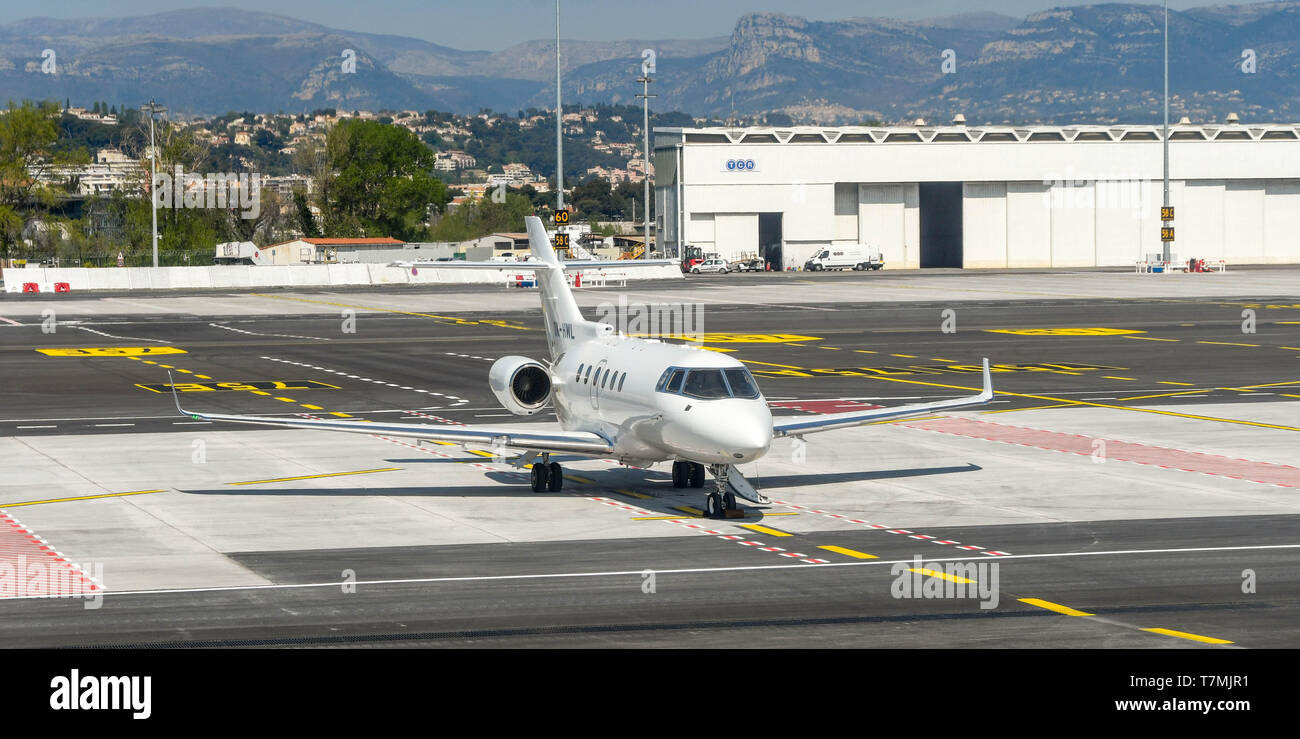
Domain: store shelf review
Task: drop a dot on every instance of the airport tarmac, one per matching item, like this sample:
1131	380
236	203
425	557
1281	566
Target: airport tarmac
1138	465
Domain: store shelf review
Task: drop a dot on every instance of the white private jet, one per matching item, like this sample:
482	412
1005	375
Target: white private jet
639	401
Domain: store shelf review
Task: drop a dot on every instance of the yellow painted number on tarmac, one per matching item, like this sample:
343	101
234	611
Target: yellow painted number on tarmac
112	351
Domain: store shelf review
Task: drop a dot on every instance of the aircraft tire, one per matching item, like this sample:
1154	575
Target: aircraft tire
729	501
540	473
713	506
679	475
696	474
554	477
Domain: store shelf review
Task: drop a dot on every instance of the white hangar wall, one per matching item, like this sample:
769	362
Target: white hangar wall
1024	201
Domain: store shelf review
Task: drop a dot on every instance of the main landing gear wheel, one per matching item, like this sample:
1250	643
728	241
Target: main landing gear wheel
541	476
695	474
555	477
729	501
679	475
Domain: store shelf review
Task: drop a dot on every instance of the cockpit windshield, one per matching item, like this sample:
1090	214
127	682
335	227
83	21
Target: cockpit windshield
742	383
709	383
706	384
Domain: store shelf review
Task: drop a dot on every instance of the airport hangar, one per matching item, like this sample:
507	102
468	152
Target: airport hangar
981	196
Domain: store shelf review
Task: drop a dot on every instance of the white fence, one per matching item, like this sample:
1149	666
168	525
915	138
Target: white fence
50	279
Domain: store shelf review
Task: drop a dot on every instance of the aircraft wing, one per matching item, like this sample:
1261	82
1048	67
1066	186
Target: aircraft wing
800	425
579	442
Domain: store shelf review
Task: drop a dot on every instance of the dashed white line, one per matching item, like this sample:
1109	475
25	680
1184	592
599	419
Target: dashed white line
115	336
257	333
454	399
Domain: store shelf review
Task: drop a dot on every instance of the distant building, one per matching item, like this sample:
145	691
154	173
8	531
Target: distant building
325	251
111	170
449	161
982	196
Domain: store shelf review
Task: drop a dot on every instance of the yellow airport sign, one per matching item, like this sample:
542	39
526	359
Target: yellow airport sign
111	351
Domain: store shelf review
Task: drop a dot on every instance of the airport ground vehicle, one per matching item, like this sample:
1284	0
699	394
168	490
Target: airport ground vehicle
848	256
711	265
747	265
691	256
239	252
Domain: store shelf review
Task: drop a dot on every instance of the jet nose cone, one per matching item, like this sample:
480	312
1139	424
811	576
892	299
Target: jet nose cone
750	436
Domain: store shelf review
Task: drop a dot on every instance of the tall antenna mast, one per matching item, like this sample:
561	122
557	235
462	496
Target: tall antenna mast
559	120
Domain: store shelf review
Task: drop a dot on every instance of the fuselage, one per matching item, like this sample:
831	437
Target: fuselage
624	389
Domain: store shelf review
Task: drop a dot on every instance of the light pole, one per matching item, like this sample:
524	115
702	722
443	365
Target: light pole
153	108
559	121
1164	210
645	95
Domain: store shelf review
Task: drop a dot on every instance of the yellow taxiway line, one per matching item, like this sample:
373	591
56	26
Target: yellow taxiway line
313	477
80	497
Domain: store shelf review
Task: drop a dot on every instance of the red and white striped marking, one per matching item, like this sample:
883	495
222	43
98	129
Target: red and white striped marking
889	529
439	419
31	566
1215	465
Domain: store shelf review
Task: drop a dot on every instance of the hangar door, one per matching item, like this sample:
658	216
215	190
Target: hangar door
941	227
736	234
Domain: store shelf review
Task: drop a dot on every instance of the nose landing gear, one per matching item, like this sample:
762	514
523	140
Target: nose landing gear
718	502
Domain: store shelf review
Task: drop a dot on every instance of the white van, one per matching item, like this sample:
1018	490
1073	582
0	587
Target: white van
848	256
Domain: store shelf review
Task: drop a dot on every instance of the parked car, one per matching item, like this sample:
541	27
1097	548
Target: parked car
849	256
504	256
711	265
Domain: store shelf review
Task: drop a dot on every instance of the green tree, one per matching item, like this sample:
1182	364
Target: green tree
380	182
304	220
29	136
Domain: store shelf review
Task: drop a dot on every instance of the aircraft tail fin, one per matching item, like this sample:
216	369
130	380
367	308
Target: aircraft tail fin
563	319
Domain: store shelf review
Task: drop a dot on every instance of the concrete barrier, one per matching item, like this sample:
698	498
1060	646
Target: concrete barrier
307	275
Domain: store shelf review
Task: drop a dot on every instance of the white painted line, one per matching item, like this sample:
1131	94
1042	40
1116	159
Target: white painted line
38	427
625	573
113	424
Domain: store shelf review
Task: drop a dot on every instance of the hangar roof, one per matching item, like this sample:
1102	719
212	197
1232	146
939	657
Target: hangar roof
969	134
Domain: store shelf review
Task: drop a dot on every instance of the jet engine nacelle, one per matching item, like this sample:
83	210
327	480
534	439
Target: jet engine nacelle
522	385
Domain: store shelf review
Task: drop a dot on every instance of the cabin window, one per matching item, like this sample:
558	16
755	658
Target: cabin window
587	377
706	384
604	378
621	378
578	377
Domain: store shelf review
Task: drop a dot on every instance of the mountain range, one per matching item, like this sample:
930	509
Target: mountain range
1085	64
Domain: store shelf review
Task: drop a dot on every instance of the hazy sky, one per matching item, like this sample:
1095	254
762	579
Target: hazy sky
496	24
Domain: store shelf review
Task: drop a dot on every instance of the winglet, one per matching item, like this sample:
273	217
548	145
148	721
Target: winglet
987	394
176	397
